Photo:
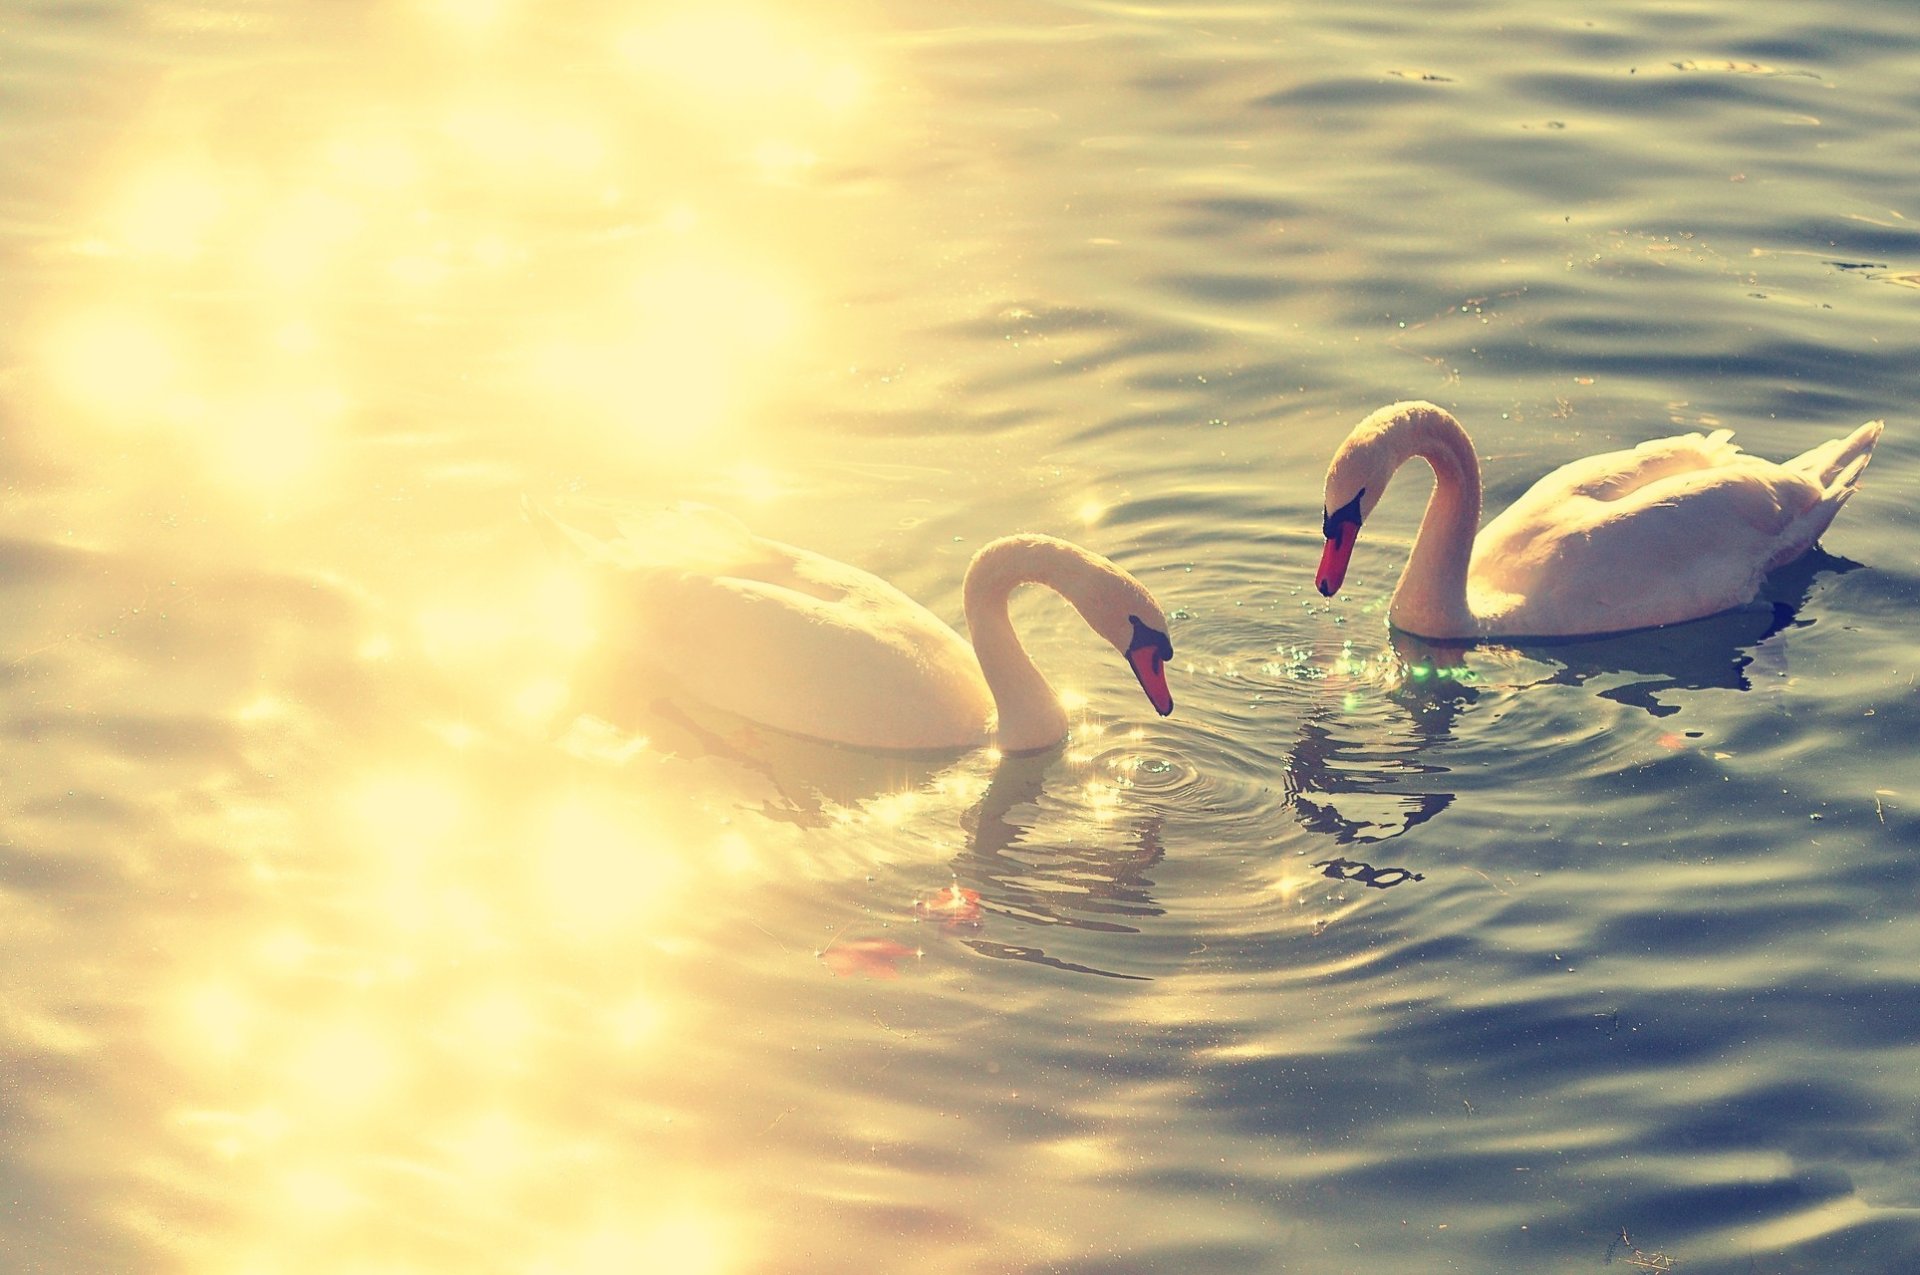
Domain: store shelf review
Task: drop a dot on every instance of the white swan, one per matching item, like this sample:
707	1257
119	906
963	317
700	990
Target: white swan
1675	529
802	643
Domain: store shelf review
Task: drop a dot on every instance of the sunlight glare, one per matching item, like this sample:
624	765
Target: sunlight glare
960	787
497	1024
340	1068
419	271
635	1022
783	162
494	1150
685	1240
890	810
285	950
604	866
735	854
1103	799
688	1243
379	162
315	1195
1086	1155
273	440
410	815
758	485
114	363
563	608
217	1020
525	141
232	1134
168	211
470	17
540	699
465	631
672	358
297	338
296	242
522	637
737	59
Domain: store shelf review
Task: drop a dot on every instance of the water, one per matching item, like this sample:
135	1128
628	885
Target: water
364	910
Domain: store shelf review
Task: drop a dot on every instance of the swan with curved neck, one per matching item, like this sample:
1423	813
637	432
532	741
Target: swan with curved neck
800	642
1671	530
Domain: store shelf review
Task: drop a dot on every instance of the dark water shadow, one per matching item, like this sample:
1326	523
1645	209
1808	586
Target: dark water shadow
1097	884
1358	784
1716	652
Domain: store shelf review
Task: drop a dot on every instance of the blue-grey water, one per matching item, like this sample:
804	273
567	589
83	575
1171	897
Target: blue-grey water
365	910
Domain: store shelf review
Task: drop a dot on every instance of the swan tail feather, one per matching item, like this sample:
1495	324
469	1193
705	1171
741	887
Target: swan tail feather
1838	462
1836	466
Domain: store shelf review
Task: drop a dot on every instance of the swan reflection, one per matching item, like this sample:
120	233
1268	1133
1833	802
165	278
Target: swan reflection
1717	652
1367	874
1720	652
1348	774
1365	774
1097	883
788	778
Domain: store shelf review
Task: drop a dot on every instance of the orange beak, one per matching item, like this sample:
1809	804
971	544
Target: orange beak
1333	559
1151	669
1148	653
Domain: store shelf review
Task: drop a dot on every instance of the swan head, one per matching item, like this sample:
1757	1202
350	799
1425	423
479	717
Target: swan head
1357	477
1114	604
1355	482
1342	528
1119	608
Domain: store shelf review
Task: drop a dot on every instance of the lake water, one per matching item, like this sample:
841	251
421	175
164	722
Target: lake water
364	910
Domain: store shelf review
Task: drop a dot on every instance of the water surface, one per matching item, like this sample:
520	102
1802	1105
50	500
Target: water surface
367	908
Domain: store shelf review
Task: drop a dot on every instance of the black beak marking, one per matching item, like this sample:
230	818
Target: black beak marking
1331	523
1146	637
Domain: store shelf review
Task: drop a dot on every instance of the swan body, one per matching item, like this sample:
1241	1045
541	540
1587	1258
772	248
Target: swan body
1671	530
802	643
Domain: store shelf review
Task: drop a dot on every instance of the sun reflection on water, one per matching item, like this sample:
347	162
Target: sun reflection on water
429	995
657	366
167	210
604	867
742	62
595	272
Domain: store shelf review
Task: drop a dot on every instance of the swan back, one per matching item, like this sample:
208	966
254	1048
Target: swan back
1671	530
797	641
779	635
813	647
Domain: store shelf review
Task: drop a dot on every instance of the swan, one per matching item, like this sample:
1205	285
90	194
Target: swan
1674	529
793	640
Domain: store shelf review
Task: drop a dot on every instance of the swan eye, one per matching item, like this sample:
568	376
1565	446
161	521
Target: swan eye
1148	638
1330	524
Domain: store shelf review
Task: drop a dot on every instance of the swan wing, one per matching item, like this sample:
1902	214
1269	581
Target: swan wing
868	667
783	636
1669	531
697	541
1616	475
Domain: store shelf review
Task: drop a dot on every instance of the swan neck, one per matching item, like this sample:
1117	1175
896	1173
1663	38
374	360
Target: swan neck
1028	712
1431	600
